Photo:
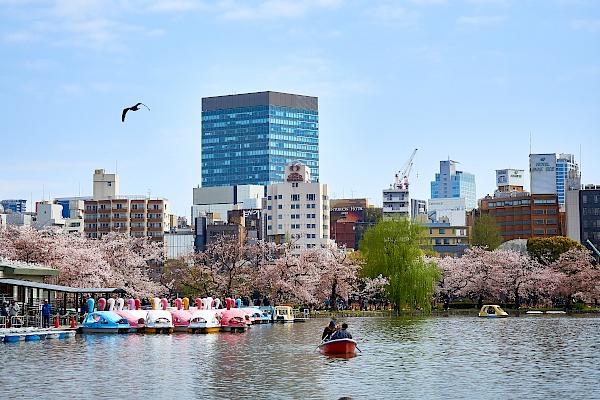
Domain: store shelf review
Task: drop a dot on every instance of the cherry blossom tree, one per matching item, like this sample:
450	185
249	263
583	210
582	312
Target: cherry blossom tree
116	260
579	278
227	268
291	278
315	275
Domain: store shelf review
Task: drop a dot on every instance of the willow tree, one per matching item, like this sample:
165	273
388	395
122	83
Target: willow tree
394	249
486	233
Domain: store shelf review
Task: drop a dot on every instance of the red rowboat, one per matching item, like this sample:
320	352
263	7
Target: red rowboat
338	346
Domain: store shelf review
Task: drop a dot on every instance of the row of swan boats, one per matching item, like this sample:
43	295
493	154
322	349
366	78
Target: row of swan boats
206	317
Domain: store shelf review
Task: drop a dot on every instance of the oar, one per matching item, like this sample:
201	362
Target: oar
322	341
356	347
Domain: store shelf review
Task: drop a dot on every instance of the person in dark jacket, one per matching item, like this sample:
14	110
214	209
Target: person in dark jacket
46	311
328	331
342	333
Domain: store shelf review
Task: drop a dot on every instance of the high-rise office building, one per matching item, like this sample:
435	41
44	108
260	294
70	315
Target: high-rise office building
249	139
450	183
548	173
14	205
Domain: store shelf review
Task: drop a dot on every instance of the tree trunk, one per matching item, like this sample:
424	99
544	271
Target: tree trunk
333	297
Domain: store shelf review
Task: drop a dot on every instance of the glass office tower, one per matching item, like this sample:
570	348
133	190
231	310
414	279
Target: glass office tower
249	139
450	183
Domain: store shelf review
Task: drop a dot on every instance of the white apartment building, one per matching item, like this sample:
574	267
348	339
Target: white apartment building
297	210
396	202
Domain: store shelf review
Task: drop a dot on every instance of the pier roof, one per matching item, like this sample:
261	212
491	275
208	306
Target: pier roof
58	288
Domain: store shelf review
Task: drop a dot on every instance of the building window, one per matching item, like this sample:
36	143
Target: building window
295	197
279	216
269	227
551	221
280	206
311	197
536	211
442	231
280	226
538	231
269	217
551	231
269	207
538	221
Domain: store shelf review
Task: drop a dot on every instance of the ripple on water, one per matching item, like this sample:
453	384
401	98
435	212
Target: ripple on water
535	357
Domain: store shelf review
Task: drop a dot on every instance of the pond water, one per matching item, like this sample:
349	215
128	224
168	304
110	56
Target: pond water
455	357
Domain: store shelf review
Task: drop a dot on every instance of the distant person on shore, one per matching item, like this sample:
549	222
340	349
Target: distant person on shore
46	311
13	309
328	331
342	333
4	313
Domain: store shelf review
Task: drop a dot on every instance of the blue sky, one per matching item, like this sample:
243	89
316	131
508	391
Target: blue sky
469	80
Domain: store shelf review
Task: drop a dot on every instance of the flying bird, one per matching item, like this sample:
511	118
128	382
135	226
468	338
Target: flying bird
132	108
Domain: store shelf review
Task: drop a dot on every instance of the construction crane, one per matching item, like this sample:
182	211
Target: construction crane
402	176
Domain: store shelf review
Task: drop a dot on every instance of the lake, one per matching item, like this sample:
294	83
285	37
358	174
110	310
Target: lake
454	357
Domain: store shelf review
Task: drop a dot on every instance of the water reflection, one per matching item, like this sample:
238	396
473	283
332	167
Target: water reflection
409	358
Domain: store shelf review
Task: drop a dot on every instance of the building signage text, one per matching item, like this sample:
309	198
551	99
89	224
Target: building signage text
346	209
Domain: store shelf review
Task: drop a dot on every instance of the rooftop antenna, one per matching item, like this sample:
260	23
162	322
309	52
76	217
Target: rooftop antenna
149	193
530	143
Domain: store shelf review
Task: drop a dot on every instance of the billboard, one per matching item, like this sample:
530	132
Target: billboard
510	177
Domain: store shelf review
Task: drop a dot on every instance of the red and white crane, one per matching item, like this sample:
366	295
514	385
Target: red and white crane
402	176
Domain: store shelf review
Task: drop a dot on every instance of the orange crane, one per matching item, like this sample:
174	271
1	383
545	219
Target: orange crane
402	176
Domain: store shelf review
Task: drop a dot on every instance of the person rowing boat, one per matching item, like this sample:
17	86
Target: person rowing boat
329	330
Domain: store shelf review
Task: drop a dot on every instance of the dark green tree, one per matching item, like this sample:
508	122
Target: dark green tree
486	233
393	249
548	250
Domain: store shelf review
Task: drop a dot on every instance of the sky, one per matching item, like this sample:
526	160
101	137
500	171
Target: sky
480	82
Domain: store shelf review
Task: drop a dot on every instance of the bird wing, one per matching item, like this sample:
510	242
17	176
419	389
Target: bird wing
124	112
143	105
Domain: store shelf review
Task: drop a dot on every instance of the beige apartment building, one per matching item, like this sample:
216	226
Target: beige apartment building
137	216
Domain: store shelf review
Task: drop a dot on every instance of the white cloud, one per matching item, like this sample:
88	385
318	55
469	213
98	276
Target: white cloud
427	1
175	5
21	37
591	26
272	9
479	20
41	64
393	14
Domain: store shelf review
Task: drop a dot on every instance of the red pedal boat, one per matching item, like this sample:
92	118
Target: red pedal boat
338	346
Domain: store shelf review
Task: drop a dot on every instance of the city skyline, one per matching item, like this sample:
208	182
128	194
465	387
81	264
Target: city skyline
482	82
